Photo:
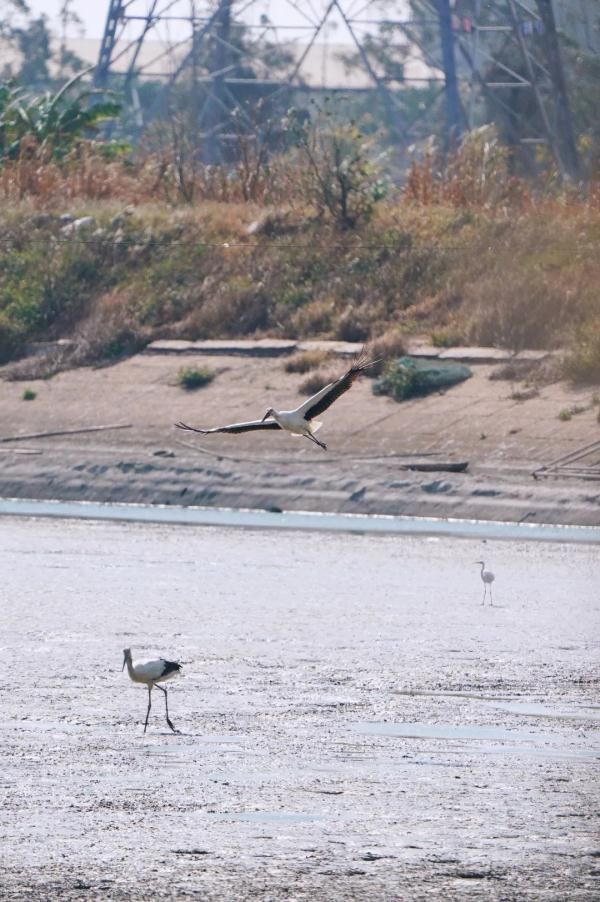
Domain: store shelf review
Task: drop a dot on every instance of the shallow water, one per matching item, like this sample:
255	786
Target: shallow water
261	519
354	723
533	743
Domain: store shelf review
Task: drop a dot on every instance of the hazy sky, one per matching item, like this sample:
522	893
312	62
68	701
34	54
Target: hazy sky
280	12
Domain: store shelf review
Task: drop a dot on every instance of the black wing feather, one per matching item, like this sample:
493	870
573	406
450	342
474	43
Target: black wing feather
170	667
338	388
234	427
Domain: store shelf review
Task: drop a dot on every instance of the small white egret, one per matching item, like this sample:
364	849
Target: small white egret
151	673
301	420
487	578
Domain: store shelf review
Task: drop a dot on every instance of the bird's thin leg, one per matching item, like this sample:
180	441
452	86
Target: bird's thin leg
484	591
162	689
491	599
149	706
314	439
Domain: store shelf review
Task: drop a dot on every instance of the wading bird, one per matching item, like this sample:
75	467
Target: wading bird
487	578
151	673
300	421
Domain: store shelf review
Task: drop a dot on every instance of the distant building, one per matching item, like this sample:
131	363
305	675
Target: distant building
322	67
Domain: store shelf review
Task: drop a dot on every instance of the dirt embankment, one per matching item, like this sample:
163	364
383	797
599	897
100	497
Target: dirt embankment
371	443
111	280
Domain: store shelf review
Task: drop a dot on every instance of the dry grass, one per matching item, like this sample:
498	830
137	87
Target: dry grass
84	177
582	363
463	256
384	348
306	361
515	371
525	394
316	381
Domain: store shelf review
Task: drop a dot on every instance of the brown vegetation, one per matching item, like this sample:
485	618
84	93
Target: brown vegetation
466	254
317	380
305	361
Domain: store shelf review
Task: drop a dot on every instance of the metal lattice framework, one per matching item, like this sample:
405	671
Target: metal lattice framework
583	463
511	47
483	53
168	39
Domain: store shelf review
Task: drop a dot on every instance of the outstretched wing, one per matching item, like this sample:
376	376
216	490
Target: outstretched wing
234	427
325	398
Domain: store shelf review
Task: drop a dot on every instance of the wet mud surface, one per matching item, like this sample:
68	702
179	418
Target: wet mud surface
354	724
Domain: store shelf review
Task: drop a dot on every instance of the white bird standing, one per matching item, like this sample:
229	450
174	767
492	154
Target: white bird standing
487	578
301	420
151	673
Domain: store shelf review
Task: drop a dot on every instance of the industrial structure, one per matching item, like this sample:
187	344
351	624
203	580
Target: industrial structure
480	59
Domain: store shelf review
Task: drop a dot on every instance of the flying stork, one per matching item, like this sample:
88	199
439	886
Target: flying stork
151	673
301	420
487	578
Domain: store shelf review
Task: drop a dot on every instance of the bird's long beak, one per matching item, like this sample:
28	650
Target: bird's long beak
265	416
124	663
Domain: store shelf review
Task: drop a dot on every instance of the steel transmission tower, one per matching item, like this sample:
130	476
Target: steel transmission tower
505	56
172	40
481	58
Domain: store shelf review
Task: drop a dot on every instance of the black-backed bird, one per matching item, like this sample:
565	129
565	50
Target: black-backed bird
151	673
301	420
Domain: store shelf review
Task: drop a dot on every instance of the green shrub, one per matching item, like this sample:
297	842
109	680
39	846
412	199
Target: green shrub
29	395
567	413
446	337
191	378
339	172
406	377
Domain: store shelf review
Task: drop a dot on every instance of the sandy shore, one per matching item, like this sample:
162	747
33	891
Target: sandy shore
371	441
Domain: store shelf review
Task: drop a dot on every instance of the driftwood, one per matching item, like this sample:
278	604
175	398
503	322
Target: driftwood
29	435
438	467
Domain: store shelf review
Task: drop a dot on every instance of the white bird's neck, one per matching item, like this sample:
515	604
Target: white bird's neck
130	669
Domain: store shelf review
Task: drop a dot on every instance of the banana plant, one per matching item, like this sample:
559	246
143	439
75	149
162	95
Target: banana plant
51	123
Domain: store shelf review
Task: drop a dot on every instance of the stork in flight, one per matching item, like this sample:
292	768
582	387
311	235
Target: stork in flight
487	578
300	421
151	673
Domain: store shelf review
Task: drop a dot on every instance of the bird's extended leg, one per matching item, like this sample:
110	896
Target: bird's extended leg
491	599
162	689
314	439
149	706
484	593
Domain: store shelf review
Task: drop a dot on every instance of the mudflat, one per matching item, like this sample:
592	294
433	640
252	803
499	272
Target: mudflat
354	724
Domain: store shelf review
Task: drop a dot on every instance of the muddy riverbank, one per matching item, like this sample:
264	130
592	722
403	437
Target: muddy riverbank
354	724
372	442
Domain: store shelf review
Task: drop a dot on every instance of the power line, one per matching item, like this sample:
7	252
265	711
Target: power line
231	245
